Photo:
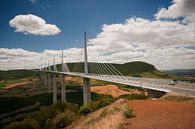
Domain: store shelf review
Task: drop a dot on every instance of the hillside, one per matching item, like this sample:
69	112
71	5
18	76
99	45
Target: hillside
182	72
16	74
137	69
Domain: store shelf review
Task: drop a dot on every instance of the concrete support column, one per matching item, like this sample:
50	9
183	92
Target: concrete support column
39	75
45	78
42	76
86	90
86	86
63	89
54	89
49	82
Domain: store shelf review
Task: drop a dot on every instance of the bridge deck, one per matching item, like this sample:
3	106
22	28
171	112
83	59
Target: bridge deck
152	84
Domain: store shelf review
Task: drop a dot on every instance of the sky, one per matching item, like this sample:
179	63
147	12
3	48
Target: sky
160	32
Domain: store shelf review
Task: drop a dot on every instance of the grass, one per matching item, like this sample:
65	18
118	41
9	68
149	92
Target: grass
16	74
155	74
13	81
78	81
129	88
94	82
178	98
182	78
133	96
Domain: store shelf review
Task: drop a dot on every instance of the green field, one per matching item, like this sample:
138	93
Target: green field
15	76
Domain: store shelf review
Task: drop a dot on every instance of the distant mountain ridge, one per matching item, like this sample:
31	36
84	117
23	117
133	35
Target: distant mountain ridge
129	68
185	72
136	68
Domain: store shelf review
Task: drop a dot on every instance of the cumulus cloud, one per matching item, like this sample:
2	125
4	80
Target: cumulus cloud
167	44
179	8
31	24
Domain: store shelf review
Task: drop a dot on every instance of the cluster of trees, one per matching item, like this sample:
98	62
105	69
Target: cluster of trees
52	117
61	114
16	74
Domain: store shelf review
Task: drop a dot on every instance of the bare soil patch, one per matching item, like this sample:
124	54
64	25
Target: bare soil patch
113	90
18	84
68	78
159	114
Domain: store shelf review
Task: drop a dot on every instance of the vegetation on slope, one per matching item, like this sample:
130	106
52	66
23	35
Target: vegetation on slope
60	115
137	69
15	76
108	117
52	117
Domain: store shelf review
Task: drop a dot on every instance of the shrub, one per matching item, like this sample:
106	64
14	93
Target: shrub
25	124
48	123
46	114
86	108
64	119
133	96
128	113
94	105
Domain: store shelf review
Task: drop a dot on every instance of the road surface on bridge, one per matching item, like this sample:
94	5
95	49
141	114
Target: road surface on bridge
164	85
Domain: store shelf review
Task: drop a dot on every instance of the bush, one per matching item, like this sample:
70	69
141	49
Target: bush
48	123
133	96
64	119
94	105
96	96
86	108
128	113
62	106
25	124
46	114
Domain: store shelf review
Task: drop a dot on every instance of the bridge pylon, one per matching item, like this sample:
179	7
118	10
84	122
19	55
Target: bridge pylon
63	88
54	83
86	81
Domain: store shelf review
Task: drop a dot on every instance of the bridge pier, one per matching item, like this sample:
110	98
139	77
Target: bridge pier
63	89
45	79
54	89
86	90
86	84
49	82
42	76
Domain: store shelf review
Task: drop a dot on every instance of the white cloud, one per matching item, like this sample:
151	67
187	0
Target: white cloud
179	8
162	43
31	24
165	43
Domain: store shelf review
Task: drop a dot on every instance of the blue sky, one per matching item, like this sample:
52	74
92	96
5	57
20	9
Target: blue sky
160	32
72	17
